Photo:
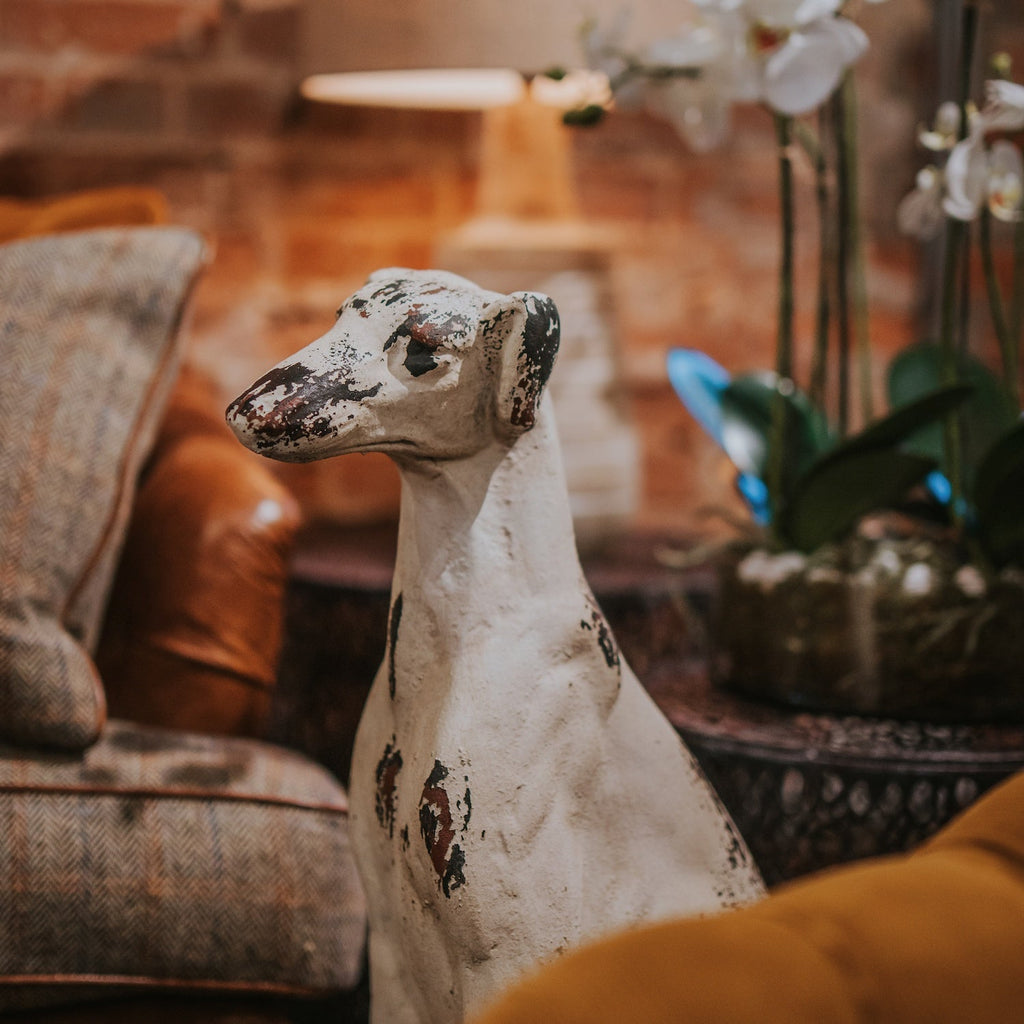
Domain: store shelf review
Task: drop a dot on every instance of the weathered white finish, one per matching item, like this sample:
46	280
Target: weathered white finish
514	790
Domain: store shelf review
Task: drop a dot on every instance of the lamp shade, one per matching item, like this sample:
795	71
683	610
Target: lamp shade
455	88
529	35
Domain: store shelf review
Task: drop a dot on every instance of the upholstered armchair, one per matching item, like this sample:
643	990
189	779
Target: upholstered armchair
150	843
930	937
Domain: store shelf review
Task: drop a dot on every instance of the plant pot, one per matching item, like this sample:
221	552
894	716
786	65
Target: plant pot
890	627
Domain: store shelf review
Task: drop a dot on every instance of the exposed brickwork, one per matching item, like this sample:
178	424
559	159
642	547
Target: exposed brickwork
104	26
266	34
23	97
116	105
198	97
233	107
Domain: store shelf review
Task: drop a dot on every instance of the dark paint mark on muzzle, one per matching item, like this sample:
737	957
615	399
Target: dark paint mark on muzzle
303	411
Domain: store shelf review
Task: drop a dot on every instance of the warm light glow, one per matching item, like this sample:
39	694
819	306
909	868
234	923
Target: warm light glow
425	89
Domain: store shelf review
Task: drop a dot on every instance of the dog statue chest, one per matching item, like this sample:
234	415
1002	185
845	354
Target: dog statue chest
439	712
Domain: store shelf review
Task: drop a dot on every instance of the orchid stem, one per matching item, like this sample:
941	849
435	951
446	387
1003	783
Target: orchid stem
845	219
950	361
826	260
1016	311
851	209
955	271
996	306
778	445
784	346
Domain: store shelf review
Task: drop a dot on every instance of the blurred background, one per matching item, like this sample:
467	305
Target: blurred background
201	100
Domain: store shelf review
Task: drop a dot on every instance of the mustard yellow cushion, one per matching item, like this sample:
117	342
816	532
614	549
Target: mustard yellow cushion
79	211
935	936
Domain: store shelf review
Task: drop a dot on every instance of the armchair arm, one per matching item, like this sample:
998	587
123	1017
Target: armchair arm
194	626
933	937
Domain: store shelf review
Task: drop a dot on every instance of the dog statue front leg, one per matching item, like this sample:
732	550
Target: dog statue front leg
390	1000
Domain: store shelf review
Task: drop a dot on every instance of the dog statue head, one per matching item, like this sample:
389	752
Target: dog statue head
418	364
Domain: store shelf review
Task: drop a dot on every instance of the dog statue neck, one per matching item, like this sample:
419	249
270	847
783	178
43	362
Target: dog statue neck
490	531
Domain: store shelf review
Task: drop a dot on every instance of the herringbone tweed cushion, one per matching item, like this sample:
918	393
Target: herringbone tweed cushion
163	859
87	350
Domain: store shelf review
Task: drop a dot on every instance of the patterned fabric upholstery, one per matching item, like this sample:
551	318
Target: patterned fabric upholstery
162	859
88	348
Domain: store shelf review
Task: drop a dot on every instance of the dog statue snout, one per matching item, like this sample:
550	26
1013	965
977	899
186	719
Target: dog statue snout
291	408
272	415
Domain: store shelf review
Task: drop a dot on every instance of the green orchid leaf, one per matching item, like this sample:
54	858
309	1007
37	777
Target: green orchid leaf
746	423
746	410
842	487
987	415
999	498
859	484
909	419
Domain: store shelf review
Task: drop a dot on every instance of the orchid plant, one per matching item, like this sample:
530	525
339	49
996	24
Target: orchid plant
953	426
980	185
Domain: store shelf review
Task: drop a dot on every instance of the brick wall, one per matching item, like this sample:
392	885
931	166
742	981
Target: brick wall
199	98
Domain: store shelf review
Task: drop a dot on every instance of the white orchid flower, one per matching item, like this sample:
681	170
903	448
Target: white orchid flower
806	69
1004	106
603	52
697	104
976	177
920	212
695	46
967	175
944	132
699	109
1005	182
602	44
794	51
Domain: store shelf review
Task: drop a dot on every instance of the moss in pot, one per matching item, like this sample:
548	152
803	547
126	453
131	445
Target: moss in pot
891	620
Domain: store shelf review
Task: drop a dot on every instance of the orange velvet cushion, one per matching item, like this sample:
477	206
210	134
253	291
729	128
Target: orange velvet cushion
194	626
936	936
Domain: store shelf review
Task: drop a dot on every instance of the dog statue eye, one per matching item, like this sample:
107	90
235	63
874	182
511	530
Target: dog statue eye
419	358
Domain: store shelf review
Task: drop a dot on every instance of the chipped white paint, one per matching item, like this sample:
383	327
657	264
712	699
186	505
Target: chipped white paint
514	789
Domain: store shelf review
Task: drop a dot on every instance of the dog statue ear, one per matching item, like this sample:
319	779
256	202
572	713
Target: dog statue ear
523	329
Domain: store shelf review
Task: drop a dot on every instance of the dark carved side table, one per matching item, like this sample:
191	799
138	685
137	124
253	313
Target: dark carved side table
806	790
809	790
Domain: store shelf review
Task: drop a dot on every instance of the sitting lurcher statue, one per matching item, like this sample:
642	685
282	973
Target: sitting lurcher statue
514	790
